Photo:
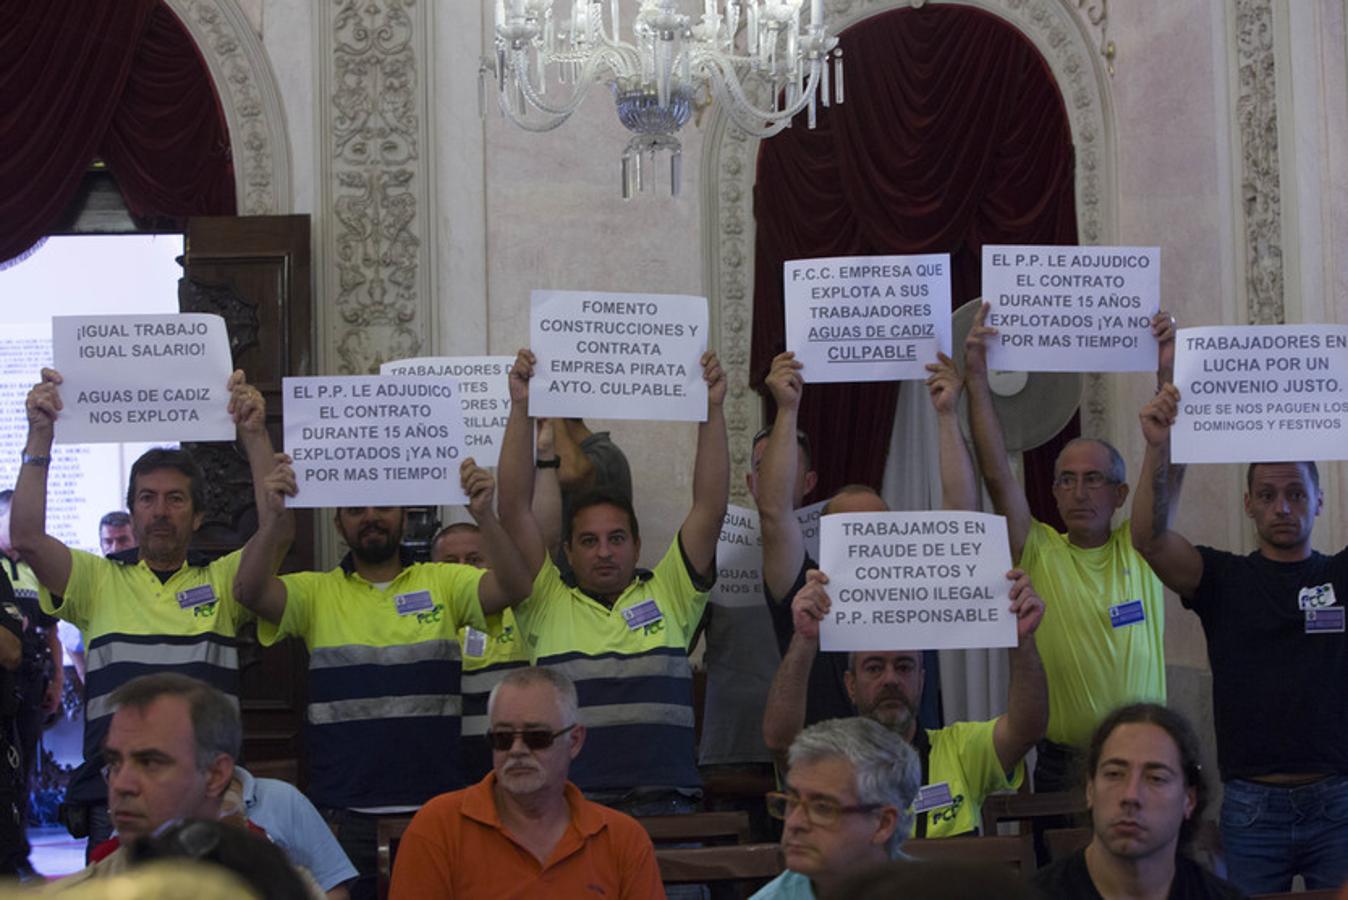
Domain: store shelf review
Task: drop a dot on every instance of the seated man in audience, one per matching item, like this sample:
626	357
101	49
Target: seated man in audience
159	607
488	654
622	633
169	752
1103	645
525	830
847	804
961	763
293	824
383	721
1274	622
782	478
1146	793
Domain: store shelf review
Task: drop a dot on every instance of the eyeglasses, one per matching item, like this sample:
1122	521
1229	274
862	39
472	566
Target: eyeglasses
534	738
1092	480
823	813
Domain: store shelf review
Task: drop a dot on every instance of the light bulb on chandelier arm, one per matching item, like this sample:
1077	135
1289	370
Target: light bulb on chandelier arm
545	63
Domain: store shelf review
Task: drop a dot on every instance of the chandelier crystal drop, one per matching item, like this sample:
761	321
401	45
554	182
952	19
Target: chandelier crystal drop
666	65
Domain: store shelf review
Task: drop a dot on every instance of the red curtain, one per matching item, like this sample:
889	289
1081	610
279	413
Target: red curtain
953	135
117	79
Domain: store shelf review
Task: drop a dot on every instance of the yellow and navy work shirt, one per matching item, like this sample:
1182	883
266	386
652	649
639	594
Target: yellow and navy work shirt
963	757
135	624
629	663
1095	661
384	705
488	656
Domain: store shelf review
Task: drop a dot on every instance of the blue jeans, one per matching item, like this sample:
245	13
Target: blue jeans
1272	833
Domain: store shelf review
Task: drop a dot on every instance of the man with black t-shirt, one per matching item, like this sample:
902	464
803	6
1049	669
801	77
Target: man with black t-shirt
1146	794
1274	621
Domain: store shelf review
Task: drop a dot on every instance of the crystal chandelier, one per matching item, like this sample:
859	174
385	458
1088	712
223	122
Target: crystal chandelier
669	64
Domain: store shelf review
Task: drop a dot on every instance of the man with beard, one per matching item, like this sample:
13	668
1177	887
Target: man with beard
525	830
1274	621
153	608
1146	793
383	721
961	763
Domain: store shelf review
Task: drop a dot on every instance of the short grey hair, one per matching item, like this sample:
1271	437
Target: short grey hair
216	727
567	701
1118	470
886	769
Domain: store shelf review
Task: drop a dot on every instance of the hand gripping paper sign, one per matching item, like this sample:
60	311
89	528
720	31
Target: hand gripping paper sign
1072	309
867	318
142	378
1261	393
374	440
618	356
916	581
484	392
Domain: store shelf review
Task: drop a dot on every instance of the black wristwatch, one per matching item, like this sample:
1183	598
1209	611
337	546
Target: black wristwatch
554	463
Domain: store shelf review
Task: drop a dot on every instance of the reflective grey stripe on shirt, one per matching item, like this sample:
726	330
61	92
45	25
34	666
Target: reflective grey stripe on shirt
482	681
637	714
649	666
394	707
101	706
213	653
393	655
162	657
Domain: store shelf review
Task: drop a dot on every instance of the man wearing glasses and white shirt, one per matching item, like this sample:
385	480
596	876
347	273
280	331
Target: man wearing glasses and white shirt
847	805
525	830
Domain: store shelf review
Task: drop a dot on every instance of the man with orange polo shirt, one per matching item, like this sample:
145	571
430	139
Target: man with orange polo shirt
525	826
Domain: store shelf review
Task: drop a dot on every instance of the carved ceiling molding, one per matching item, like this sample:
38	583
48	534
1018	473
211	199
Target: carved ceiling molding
373	182
250	99
1260	188
1065	38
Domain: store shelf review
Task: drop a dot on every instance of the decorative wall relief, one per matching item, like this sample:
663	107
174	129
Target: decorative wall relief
373	186
250	99
1260	191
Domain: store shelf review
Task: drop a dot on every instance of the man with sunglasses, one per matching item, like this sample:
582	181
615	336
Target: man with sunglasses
1104	644
525	830
847	805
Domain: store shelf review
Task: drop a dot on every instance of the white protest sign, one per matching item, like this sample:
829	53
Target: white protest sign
1265	393
142	378
374	440
739	561
867	318
808	519
484	393
1072	309
916	581
618	356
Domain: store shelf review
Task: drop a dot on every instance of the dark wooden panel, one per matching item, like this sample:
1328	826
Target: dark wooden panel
254	272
